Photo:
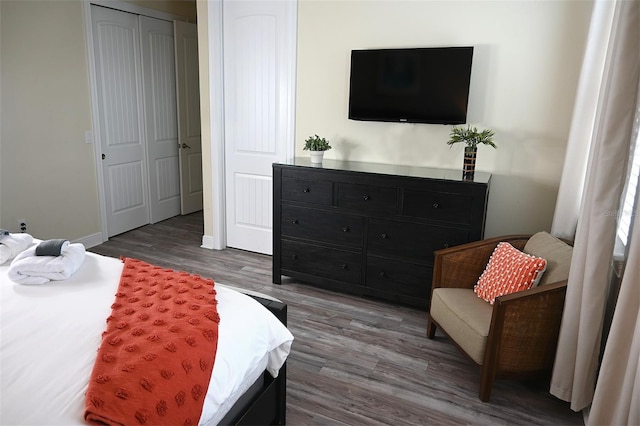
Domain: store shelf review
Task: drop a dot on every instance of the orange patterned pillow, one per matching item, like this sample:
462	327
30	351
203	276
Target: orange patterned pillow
509	270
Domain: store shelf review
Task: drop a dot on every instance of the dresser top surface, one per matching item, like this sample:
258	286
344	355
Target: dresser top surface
391	169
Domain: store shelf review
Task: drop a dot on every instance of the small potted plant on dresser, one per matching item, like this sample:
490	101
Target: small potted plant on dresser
471	137
316	147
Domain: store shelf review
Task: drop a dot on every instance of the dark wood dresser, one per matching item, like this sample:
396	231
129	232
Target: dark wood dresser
371	229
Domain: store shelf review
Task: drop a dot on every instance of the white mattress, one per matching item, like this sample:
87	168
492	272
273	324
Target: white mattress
49	336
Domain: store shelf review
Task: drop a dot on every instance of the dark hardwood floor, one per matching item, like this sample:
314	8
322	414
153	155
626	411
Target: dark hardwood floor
354	361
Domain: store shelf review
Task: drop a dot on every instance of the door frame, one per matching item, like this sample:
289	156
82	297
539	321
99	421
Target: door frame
218	240
93	136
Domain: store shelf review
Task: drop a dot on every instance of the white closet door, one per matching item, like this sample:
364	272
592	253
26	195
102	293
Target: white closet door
259	64
161	120
117	59
189	135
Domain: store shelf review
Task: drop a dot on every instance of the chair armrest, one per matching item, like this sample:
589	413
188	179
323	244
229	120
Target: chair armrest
524	329
461	266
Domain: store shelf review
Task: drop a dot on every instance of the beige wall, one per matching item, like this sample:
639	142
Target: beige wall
48	172
205	115
184	8
526	64
525	72
0	116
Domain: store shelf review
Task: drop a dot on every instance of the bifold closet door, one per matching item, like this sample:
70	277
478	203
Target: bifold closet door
135	73
161	117
189	134
116	42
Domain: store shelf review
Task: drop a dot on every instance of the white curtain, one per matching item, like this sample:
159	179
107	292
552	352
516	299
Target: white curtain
583	122
574	374
617	395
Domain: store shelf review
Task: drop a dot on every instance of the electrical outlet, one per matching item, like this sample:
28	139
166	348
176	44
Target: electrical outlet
22	225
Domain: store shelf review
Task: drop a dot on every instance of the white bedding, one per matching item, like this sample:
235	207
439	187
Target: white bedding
49	336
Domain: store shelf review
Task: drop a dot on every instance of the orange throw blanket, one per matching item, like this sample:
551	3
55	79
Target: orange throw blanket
156	357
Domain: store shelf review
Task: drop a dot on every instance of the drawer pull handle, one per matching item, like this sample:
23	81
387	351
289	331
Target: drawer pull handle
382	274
366	198
436	205
306	190
345	229
344	266
294	257
384	236
294	221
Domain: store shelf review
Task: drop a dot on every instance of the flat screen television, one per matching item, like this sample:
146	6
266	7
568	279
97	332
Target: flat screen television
414	85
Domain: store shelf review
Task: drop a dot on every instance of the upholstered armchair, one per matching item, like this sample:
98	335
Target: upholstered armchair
516	337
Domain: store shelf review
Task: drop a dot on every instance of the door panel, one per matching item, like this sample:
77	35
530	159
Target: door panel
159	82
189	137
117	57
259	54
128	177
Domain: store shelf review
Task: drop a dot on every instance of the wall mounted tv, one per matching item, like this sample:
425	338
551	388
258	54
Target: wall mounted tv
415	85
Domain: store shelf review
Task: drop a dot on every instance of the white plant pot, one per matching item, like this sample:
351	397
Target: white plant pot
316	156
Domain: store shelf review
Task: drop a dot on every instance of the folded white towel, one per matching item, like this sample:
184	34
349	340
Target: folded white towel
27	268
13	244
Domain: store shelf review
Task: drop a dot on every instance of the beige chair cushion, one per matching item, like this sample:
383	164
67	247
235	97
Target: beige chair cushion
555	251
465	317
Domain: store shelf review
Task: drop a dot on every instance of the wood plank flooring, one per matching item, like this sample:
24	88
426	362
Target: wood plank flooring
354	361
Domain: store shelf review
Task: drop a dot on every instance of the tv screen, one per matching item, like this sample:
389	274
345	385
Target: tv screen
417	85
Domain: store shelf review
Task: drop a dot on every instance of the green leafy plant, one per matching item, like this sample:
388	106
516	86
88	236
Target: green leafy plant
316	143
471	137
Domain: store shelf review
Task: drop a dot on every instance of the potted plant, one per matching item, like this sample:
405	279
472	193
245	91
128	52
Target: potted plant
471	137
316	146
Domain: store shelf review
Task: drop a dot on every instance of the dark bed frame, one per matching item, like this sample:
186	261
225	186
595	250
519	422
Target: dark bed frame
265	403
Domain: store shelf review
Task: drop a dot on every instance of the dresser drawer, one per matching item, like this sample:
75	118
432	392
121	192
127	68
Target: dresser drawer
373	199
445	206
399	277
410	240
340	265
318	225
307	190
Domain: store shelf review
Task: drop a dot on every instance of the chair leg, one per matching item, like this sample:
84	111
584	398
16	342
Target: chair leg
431	328
487	377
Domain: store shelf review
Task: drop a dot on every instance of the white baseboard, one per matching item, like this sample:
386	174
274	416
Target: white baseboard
91	240
96	239
208	242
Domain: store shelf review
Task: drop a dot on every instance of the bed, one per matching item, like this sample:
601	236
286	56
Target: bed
50	335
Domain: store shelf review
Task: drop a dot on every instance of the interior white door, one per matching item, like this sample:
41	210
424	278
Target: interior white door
119	92
161	119
189	135
259	65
